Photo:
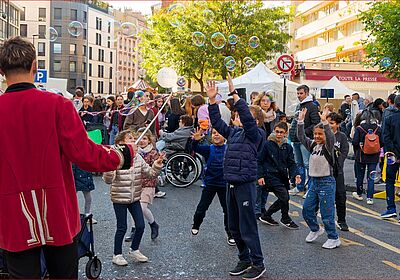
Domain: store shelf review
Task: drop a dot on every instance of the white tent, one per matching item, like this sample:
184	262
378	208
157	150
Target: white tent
340	89
260	79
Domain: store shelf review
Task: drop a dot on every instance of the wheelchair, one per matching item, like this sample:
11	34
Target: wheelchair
184	168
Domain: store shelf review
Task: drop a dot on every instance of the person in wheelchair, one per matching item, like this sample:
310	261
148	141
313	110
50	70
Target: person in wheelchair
176	141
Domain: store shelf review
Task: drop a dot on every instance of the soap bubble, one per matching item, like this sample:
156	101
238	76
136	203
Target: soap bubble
75	28
248	61
181	81
208	16
51	34
254	42
378	19
390	158
227	59
218	40
386	62
198	38
374	50
230	64
374	176
232	39
115	26
175	14
129	29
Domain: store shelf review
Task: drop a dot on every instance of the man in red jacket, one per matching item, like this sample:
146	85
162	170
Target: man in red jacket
41	134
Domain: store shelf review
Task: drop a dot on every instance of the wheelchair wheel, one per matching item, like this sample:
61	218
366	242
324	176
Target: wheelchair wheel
181	170
200	165
93	268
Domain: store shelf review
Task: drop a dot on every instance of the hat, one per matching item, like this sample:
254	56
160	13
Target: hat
204	124
397	101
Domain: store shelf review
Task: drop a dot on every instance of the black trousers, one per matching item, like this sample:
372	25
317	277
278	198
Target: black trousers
340	198
206	199
61	262
282	203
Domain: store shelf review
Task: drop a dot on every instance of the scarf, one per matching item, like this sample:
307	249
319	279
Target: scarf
269	116
146	149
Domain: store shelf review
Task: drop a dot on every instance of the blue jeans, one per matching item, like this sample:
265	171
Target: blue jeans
114	131
391	172
301	157
360	173
120	213
262	195
321	191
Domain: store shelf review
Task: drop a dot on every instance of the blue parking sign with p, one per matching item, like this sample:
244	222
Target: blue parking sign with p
41	76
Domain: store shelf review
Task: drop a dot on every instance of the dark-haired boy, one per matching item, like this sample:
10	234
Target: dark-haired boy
341	148
276	165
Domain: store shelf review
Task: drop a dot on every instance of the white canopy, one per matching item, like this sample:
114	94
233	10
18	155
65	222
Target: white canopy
340	89
260	79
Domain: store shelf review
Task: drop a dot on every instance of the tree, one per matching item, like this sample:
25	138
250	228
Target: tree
166	45
382	21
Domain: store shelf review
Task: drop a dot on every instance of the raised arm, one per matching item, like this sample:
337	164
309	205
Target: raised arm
329	135
307	142
213	110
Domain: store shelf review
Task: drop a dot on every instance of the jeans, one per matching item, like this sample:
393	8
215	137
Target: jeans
242	222
340	197
207	196
114	131
322	192
391	172
120	213
282	203
262	196
301	157
360	173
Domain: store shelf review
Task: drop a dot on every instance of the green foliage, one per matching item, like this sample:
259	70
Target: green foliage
165	45
382	21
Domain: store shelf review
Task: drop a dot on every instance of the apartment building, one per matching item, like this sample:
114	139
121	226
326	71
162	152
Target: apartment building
10	14
327	42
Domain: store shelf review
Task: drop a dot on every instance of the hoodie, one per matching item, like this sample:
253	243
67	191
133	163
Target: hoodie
387	113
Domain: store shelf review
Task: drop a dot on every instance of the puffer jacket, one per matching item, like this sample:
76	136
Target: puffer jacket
126	185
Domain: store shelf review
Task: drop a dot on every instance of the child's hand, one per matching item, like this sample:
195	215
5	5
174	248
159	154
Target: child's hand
302	114
161	158
198	134
324	114
211	91
261	182
236	121
230	83
298	180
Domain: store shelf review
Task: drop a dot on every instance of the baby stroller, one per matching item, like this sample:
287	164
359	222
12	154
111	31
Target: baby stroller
85	249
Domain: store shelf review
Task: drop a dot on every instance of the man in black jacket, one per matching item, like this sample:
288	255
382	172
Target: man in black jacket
301	155
391	141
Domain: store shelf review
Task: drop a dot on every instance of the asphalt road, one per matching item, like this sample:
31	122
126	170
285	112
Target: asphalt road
370	250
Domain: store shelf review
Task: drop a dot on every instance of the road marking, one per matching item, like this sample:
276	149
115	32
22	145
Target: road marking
348	242
392	221
389	263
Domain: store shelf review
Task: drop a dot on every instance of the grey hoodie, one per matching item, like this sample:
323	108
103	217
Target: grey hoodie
176	141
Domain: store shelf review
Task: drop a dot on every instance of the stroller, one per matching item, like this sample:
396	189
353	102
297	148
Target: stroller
85	249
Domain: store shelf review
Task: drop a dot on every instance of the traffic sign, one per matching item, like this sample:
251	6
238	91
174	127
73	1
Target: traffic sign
41	76
285	76
285	63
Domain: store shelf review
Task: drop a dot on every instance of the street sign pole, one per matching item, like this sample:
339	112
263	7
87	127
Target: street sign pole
284	95
285	63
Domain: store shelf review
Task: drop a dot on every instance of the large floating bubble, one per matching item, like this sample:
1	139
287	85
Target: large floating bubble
254	42
116	26
378	19
248	61
167	77
232	39
390	158
175	14
375	176
75	28
181	81
386	62
198	38
129	29
228	58
218	40
51	34
208	16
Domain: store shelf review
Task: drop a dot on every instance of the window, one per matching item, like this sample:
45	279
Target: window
74	14
90	69
84	34
42	31
84	67
41	49
111	57
84	16
58	28
111	72
57	13
100	71
23	13
72	66
57	48
23	30
100	87
90	52
109	42
72	84
42	13
57	65
72	49
84	83
109	26
90	86
110	88
41	64
98	23
98	39
84	50
101	55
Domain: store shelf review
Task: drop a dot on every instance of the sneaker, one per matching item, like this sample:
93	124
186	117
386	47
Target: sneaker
305	195
343	226
289	225
195	231
119	260
160	194
154	230
129	238
231	241
254	272
357	196
137	256
240	268
388	214
370	201
294	191
268	220
331	244
312	236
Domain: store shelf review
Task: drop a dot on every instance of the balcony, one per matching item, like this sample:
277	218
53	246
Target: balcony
307	5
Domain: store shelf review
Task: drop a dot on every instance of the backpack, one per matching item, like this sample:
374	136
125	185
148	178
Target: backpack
371	143
332	160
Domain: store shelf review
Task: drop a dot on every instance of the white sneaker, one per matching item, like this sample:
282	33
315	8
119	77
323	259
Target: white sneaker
358	197
195	231
312	236
137	256
370	201
294	191
160	194
305	195
119	260
331	244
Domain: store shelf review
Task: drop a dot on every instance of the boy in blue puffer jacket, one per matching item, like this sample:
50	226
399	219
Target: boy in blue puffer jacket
240	171
213	178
